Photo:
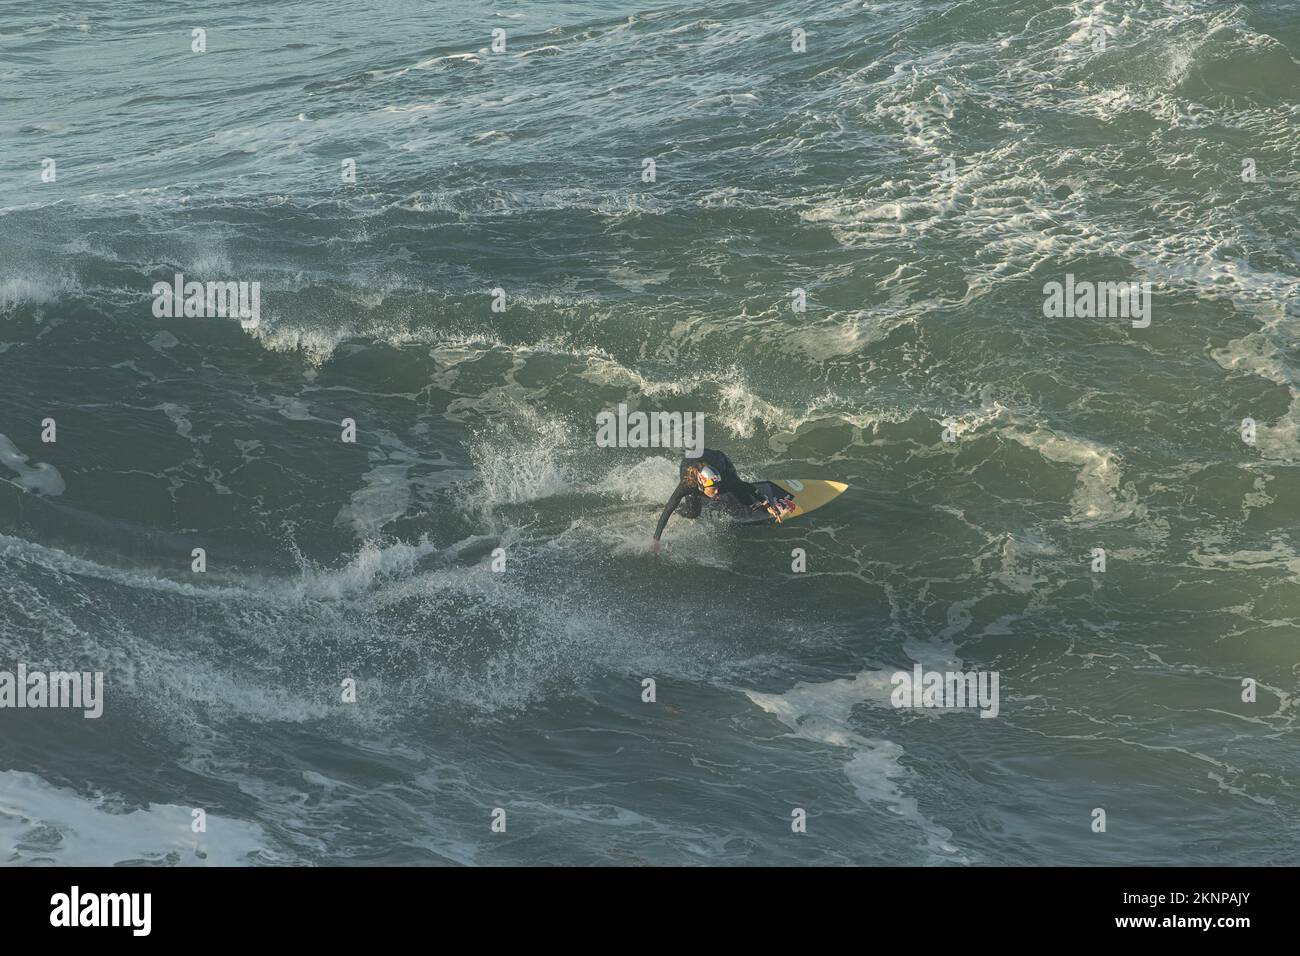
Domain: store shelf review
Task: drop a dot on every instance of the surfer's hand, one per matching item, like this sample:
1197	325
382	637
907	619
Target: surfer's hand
778	508
654	546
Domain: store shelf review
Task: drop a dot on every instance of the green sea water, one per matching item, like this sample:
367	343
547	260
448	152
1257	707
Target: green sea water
915	173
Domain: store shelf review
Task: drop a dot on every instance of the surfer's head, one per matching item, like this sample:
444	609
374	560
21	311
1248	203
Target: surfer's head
706	479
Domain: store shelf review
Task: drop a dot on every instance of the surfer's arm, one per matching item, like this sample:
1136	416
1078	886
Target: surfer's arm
749	496
745	493
678	493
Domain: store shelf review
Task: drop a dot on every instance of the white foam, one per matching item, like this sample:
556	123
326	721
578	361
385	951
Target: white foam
823	713
1264	353
513	470
1099	496
386	488
41	478
25	290
41	824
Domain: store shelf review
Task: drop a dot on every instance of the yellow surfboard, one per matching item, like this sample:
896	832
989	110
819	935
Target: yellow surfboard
809	493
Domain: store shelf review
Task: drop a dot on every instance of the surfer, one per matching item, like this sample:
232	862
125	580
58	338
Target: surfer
712	476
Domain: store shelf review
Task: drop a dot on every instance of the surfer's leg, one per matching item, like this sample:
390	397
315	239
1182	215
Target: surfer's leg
772	490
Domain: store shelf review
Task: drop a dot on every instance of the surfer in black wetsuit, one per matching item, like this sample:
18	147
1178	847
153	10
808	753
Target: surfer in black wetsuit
714	477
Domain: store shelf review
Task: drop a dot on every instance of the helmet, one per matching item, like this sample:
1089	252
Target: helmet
709	476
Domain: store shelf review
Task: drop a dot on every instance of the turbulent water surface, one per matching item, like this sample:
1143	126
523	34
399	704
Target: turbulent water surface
922	170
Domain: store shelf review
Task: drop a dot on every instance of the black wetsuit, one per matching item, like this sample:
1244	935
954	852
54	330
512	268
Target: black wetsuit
731	490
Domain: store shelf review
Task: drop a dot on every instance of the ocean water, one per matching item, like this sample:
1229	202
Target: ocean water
922	170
